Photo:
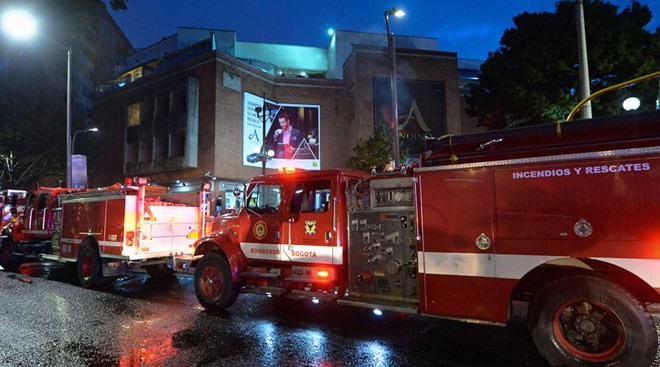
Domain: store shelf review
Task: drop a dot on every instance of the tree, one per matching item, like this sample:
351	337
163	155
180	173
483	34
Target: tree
533	77
374	152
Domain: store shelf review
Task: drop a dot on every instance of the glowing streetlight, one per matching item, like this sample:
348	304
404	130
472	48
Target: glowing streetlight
21	25
395	107
73	141
631	104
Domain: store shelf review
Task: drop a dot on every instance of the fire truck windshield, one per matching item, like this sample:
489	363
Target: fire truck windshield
265	198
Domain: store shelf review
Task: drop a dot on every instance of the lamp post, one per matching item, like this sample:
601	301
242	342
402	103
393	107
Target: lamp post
73	140
395	104
582	59
264	155
22	25
261	112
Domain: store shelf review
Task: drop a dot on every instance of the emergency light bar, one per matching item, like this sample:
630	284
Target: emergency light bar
287	169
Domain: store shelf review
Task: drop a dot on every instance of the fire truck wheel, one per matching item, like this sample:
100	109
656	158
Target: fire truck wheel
89	267
588	321
213	286
7	259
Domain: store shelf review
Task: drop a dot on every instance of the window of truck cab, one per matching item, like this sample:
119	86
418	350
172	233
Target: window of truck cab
265	198
311	196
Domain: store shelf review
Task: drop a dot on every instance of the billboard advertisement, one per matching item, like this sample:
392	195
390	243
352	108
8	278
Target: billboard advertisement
287	133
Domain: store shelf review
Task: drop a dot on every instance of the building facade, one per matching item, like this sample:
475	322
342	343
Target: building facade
198	106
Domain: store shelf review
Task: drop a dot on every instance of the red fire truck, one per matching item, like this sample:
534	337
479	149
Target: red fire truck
565	219
105	232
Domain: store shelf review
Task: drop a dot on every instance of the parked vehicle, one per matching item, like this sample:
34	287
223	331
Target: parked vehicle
105	232
566	221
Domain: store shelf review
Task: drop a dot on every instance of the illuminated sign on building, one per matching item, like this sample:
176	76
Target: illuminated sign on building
422	110
292	134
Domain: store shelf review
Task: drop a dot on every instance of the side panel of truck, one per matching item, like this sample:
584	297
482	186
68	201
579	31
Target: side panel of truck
531	212
80	220
172	229
589	208
457	278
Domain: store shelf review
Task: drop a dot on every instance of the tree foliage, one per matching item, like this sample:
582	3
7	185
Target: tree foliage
533	77
373	152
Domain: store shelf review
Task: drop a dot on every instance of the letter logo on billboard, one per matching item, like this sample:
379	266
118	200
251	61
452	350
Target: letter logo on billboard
310	227
260	230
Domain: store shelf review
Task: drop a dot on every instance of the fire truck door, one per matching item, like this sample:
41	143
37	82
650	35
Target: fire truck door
456	253
310	236
262	223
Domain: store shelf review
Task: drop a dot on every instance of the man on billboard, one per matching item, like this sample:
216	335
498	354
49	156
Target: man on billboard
286	138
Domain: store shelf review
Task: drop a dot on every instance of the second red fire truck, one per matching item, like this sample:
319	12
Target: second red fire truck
564	219
105	232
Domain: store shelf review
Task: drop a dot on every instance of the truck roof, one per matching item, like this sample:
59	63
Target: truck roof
604	133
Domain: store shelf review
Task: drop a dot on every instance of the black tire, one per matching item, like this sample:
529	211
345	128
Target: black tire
89	267
7	259
588	321
213	284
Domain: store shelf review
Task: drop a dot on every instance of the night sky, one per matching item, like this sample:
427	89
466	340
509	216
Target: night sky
470	27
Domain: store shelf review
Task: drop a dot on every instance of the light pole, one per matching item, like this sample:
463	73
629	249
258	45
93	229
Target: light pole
263	155
582	59
261	112
73	140
395	104
22	25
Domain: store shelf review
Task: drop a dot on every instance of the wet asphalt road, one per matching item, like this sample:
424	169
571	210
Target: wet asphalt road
47	320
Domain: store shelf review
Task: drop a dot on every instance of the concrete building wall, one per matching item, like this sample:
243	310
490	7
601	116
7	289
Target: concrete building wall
367	63
347	111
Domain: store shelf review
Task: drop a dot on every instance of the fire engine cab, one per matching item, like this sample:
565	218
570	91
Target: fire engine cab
106	232
564	218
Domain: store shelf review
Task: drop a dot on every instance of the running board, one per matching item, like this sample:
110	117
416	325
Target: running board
258	275
383	305
304	295
266	291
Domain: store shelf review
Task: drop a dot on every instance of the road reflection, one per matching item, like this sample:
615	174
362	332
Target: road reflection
141	321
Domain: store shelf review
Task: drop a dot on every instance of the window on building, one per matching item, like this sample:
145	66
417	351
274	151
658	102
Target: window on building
158	126
136	74
132	153
145	151
178	144
178	102
134	114
162	106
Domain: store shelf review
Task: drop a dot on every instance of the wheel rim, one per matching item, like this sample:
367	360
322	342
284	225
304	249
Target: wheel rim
211	282
86	266
589	330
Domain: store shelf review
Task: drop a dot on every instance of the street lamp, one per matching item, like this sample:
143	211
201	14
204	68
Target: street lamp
21	25
264	155
73	141
395	106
